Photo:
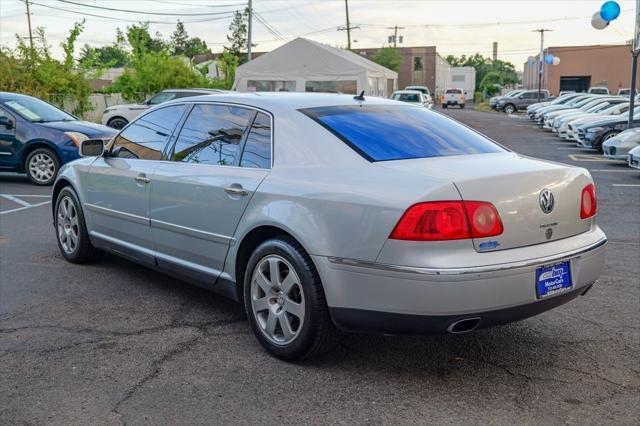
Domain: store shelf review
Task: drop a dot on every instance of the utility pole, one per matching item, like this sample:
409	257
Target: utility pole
541	61
29	22
395	34
250	13
346	7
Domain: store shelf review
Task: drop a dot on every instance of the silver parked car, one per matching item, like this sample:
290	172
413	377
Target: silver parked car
618	147
328	212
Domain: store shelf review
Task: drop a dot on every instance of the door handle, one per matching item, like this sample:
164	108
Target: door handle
236	189
142	178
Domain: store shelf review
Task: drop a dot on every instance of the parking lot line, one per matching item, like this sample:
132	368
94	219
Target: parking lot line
613	171
27	195
593	158
626	184
577	147
30	206
15	200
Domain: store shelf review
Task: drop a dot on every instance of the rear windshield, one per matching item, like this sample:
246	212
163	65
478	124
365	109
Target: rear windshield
453	92
406	97
397	132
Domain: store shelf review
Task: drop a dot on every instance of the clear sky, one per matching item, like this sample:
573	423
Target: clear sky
455	27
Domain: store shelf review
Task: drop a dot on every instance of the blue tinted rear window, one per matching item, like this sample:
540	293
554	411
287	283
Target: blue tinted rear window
383	133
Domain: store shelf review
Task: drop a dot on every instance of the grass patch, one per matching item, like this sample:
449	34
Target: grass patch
484	106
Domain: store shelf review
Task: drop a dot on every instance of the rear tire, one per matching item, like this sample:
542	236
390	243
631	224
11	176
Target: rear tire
42	166
71	229
444	106
461	106
288	314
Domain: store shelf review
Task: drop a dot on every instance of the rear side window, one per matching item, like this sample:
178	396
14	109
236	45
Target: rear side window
406	97
212	134
257	148
382	133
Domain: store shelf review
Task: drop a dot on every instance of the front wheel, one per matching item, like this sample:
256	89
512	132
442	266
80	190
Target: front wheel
444	106
285	303
42	166
509	109
605	138
71	229
461	106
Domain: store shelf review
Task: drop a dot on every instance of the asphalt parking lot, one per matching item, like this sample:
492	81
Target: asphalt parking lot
113	342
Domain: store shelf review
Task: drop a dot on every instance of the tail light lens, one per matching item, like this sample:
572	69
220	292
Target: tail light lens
588	204
448	220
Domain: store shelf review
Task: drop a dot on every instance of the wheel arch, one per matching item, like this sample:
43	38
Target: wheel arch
32	146
58	186
119	116
249	242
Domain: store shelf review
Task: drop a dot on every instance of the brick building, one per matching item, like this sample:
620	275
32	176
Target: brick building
582	67
421	66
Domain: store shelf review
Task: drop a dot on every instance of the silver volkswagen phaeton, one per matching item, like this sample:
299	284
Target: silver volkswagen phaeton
328	212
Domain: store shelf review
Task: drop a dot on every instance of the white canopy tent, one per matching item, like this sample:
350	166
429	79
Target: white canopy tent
307	66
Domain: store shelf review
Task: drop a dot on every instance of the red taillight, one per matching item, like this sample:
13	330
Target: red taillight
588	204
448	220
484	219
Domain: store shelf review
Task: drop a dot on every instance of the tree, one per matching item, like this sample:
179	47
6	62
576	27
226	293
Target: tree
182	44
483	65
388	57
141	41
491	82
103	57
33	71
238	37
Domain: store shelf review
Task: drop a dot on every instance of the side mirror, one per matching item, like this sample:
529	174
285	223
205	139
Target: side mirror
6	122
91	148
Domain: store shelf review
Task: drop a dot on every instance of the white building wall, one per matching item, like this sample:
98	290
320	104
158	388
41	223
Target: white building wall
443	76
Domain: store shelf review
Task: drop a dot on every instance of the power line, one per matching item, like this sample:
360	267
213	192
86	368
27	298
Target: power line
124	19
145	12
269	27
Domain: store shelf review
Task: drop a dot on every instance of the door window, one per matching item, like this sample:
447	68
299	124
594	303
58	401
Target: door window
212	134
257	148
146	137
161	97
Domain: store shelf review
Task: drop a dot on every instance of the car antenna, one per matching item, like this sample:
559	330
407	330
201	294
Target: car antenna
359	97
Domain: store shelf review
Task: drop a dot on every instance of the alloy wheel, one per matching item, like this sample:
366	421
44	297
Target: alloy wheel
42	167
67	224
277	300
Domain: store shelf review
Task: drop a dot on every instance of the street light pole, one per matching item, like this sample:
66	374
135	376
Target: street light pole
634	65
29	23
346	7
541	61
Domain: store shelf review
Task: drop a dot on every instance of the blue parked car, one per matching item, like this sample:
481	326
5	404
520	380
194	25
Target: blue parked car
37	138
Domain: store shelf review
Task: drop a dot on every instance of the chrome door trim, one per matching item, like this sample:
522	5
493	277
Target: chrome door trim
6	153
192	232
118	242
118	214
469	270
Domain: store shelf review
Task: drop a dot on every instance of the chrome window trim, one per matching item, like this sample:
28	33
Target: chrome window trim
469	270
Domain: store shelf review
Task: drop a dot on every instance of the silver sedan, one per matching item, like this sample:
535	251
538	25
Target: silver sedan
322	213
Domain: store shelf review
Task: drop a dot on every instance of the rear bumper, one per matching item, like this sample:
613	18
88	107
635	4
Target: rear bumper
375	297
360	320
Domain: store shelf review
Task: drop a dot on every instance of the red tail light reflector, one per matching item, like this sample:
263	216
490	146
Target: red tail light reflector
588	205
448	220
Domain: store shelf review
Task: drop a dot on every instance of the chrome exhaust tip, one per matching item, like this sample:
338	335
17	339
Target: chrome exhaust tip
464	325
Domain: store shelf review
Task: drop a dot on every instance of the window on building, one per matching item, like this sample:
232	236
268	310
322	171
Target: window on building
418	64
146	138
271	86
346	86
257	148
212	134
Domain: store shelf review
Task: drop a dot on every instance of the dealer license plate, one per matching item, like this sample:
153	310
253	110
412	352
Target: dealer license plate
553	279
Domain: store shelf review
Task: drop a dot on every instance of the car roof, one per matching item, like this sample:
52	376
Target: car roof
7	96
286	100
195	90
408	91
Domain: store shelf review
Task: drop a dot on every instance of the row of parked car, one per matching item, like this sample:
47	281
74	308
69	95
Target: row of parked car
593	121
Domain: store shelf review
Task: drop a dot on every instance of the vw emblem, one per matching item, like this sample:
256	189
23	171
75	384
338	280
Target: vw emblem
548	233
546	201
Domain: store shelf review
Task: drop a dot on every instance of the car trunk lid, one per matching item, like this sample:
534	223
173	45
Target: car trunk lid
513	184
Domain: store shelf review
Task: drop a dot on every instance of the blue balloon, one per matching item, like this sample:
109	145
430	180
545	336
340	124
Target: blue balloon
610	11
548	59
